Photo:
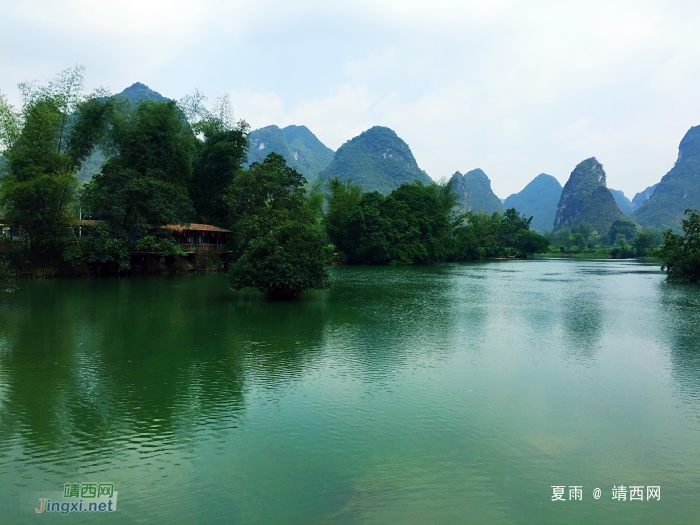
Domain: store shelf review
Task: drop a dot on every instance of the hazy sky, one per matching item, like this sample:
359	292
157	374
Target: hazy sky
514	88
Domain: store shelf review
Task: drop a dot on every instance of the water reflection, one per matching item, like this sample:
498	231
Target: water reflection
87	363
680	323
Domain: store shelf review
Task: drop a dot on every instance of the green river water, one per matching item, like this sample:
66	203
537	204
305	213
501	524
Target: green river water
438	394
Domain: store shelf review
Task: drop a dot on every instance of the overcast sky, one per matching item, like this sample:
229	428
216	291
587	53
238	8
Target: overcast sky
514	88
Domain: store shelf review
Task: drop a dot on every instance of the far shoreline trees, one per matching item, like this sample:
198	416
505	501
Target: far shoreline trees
419	223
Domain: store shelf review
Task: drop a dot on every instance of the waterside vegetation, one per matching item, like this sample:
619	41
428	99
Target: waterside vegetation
169	165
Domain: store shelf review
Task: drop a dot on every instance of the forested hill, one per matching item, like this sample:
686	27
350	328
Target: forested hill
377	160
475	193
297	144
586	199
139	91
539	200
678	190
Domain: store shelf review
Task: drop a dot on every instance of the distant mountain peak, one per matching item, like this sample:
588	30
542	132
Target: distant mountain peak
587	199
475	193
539	200
378	160
297	144
138	91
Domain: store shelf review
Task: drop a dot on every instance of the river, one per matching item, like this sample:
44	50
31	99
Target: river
454	393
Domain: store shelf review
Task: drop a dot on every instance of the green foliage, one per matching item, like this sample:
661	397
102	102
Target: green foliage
300	148
40	187
104	242
622	250
420	223
217	158
412	224
680	254
376	160
342	198
622	241
644	244
625	227
144	181
278	244
10	124
160	245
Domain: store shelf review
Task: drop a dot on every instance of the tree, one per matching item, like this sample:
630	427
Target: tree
578	240
528	243
221	148
278	244
625	227
341	199
40	187
10	124
217	158
680	254
144	182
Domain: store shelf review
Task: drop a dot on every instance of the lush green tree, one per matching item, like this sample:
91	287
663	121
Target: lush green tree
528	243
40	188
625	227
644	244
221	149
578	240
144	182
585	229
515	238
45	144
10	124
413	224
8	281
477	237
342	197
218	157
277	241
680	254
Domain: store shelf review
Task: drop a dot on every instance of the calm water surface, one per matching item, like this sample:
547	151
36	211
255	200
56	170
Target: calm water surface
443	394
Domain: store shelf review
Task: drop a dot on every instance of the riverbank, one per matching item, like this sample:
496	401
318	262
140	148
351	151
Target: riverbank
603	253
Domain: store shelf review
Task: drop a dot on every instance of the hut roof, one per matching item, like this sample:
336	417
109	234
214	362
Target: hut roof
195	227
173	227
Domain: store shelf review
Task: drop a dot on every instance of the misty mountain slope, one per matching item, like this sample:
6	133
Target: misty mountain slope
678	190
643	196
539	200
475	193
622	201
297	144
